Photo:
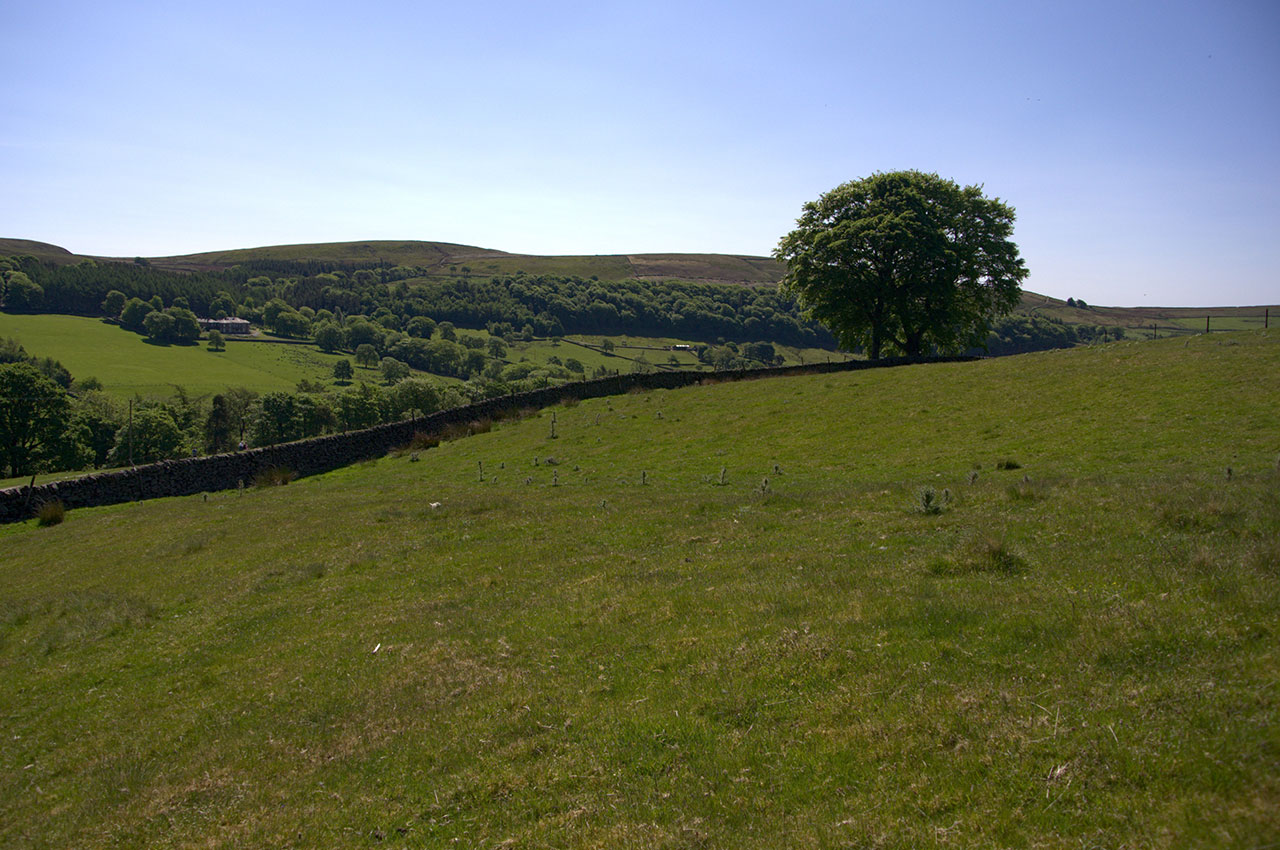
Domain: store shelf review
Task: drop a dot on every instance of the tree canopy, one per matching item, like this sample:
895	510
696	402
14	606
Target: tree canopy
33	412
904	261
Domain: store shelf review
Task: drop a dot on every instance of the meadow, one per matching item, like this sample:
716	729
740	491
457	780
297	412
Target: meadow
127	364
1027	601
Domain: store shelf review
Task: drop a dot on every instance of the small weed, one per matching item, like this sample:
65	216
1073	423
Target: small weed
1200	518
274	476
985	554
931	502
458	430
1027	490
50	513
278	577
422	440
992	554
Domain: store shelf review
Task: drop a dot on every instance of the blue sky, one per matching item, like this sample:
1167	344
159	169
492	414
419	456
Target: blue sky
1138	141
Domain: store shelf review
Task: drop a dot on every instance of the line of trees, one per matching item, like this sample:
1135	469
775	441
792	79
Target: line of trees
542	305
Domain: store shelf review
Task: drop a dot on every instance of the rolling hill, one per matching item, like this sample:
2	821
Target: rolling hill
447	260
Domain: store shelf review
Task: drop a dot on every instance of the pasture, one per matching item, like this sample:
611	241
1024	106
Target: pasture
725	616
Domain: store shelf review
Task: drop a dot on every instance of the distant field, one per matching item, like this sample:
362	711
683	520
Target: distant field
718	617
1168	321
127	364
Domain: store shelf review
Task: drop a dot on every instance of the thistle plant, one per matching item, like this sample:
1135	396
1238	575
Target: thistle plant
930	502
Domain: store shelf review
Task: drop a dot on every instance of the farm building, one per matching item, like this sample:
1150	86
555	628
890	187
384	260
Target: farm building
225	326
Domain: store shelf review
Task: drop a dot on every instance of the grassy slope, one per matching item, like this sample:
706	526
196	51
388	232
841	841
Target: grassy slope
618	651
127	364
1169	321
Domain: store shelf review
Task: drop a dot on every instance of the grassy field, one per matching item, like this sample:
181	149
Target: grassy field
127	364
716	617
1167	321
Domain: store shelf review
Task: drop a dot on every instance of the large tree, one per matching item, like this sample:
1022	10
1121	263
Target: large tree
905	262
33	416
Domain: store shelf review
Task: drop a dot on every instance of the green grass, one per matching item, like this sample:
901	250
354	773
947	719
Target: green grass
602	645
127	364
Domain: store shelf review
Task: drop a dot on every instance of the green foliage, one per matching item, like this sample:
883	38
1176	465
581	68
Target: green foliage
328	336
367	355
21	294
280	417
413	397
216	341
185	328
152	435
33	410
904	261
97	417
159	326
113	303
220	429
342	370
134	314
359	407
931	502
290	323
393	371
420	326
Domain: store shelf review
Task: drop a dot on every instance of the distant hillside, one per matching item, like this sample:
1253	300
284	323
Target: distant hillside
40	250
450	260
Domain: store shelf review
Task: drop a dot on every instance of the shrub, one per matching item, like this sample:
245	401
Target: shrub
458	430
422	440
984	554
991	554
1008	463
273	476
930	502
50	513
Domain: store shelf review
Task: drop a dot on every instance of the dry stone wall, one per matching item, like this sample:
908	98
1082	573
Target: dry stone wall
321	454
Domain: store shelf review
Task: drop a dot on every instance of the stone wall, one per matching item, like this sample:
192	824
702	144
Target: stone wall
320	454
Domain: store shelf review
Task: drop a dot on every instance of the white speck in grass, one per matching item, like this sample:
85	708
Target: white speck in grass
376	648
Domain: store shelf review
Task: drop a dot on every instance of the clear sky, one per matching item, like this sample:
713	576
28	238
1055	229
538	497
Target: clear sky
1138	141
